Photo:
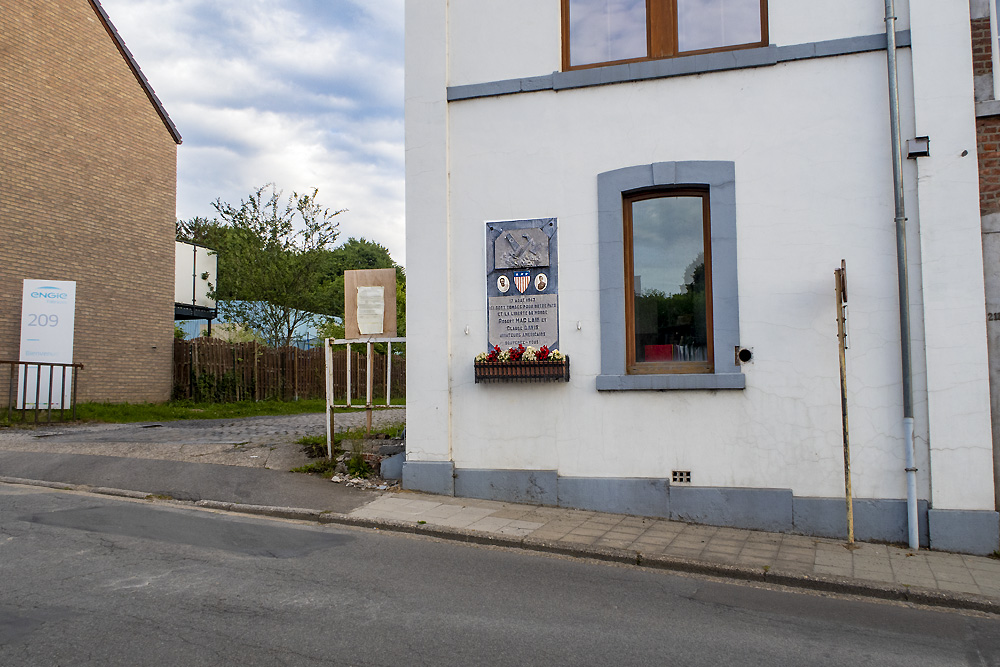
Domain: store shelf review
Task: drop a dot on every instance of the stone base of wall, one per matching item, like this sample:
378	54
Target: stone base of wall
774	510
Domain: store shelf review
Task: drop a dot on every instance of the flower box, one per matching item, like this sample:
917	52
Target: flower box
523	371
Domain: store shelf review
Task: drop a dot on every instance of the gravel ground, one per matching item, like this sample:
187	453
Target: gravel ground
261	442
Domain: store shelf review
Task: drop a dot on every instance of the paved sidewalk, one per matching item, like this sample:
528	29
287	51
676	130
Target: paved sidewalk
825	564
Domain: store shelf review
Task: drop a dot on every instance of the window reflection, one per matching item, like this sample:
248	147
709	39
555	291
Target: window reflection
606	30
669	279
710	24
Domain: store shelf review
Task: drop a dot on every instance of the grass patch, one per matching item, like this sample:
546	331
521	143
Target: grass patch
123	413
314	446
126	413
322	467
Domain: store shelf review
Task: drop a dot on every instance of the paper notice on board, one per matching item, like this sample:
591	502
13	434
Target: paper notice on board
371	310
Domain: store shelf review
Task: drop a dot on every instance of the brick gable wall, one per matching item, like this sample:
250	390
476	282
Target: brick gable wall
988	127
87	193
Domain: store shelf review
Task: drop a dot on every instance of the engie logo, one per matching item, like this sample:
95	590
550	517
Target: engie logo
50	294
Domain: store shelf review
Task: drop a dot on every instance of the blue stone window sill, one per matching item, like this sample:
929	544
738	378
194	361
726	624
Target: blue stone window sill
679	381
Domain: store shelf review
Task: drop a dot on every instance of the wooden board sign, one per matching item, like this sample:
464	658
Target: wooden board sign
369	303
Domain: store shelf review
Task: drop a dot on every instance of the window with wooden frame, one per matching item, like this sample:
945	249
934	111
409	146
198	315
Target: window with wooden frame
668	281
599	32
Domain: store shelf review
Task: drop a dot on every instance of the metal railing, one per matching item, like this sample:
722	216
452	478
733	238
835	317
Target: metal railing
20	373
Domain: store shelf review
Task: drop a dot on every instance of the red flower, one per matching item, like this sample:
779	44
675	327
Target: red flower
542	354
494	353
516	352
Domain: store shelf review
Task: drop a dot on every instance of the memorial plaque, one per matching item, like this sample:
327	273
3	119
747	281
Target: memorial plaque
525	320
522	283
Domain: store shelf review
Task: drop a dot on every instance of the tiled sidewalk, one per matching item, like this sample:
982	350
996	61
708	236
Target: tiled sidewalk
793	556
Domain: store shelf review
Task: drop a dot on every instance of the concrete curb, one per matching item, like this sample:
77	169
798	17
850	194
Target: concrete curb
841	585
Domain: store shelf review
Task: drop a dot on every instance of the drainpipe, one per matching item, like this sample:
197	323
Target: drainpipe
904	290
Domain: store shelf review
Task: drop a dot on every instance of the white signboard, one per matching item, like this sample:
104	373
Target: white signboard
48	311
371	309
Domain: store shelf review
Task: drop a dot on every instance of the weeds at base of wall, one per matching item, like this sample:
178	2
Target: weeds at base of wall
324	467
315	447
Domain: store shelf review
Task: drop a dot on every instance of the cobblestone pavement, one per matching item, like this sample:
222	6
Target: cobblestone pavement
261	442
747	551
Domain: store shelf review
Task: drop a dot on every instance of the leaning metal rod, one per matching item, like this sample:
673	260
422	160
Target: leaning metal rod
839	277
901	264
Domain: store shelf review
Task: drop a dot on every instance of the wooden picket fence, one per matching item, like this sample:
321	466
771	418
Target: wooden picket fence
212	370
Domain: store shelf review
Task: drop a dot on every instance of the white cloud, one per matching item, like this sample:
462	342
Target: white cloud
305	93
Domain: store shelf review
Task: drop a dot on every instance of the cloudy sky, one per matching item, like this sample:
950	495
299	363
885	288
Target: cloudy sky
301	93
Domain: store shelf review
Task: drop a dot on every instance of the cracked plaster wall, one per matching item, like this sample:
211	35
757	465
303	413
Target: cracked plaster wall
802	204
950	245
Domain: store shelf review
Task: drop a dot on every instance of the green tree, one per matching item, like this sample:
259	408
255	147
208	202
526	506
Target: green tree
201	231
272	256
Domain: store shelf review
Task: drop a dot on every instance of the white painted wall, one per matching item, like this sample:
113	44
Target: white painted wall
954	298
813	184
427	240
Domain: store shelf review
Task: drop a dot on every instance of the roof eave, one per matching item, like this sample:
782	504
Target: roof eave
140	77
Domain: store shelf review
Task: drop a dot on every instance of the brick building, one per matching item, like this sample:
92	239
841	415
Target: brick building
87	193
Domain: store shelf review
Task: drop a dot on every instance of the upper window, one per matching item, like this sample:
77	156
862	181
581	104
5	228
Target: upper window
668	282
597	32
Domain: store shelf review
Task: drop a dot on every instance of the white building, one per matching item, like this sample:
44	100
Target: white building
720	181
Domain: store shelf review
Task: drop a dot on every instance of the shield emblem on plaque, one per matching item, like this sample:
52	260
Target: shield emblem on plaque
521	280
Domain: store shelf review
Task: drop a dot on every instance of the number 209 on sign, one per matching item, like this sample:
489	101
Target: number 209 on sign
42	320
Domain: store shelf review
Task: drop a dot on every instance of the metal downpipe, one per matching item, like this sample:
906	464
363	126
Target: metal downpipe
904	289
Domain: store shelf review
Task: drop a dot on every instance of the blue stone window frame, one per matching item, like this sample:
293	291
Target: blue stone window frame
612	186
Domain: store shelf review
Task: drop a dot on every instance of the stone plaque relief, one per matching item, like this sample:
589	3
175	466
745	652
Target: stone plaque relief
522	283
521	248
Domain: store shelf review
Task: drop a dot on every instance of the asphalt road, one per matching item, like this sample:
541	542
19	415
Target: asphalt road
88	580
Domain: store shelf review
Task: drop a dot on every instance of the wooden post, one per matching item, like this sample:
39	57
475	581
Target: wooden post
256	374
840	278
348	375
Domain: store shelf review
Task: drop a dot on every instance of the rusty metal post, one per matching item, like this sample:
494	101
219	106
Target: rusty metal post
840	279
